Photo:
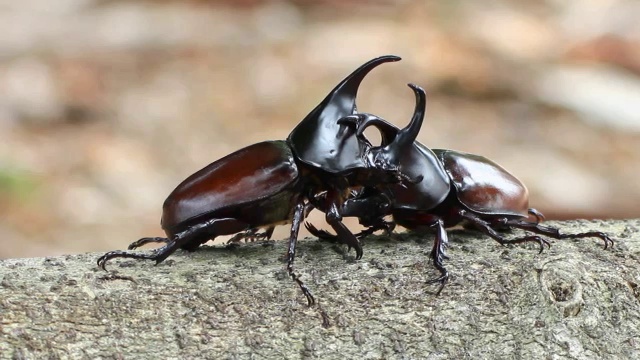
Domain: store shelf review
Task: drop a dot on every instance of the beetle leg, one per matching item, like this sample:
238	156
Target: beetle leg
537	214
387	226
320	233
308	207
298	216
486	228
555	233
206	230
266	235
102	260
334	218
370	208
147	240
253	235
241	235
438	254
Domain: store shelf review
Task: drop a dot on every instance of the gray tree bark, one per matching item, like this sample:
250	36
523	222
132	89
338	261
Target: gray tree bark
574	301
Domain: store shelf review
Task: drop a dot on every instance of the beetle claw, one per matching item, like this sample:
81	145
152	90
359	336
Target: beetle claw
102	263
102	260
442	280
608	242
319	233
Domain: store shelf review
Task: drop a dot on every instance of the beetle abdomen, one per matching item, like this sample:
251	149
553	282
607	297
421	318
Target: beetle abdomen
483	185
247	175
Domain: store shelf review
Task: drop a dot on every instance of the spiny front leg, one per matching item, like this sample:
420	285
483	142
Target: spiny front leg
298	216
333	217
438	254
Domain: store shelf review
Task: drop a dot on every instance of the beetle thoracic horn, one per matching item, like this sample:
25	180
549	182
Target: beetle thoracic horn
409	134
345	92
319	140
390	134
341	101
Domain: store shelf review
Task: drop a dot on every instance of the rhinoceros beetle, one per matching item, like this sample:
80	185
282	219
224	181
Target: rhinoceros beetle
267	184
457	188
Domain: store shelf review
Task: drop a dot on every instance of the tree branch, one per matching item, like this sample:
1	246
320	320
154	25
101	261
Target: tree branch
572	301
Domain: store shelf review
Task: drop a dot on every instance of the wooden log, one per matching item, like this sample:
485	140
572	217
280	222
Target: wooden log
574	300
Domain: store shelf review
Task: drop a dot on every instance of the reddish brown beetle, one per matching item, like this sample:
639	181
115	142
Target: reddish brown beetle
456	188
267	184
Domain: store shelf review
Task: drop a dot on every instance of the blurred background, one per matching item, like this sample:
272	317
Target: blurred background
105	106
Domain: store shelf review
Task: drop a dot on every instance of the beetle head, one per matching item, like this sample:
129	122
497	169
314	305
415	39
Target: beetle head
419	169
396	145
320	141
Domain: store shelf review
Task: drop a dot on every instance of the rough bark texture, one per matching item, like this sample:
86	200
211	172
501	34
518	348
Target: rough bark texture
572	301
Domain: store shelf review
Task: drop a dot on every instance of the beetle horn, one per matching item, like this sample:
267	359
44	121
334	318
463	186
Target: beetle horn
319	140
409	134
388	131
341	101
343	96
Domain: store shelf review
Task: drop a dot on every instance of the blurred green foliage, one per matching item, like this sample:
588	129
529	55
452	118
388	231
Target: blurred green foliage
16	183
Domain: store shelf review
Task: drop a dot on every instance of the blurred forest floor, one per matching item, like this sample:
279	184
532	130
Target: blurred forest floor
106	106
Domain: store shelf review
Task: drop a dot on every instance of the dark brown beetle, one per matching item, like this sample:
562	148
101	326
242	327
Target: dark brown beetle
480	194
266	184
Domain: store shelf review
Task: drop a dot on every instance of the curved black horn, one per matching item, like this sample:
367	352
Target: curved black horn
341	101
318	139
343	96
409	134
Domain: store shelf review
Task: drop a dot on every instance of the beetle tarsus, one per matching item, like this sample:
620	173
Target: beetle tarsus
322	234
334	218
252	235
556	234
486	228
438	254
298	215
531	238
102	261
443	279
147	240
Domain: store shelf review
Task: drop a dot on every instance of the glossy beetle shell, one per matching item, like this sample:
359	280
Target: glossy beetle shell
484	186
429	192
411	158
227	186
319	141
